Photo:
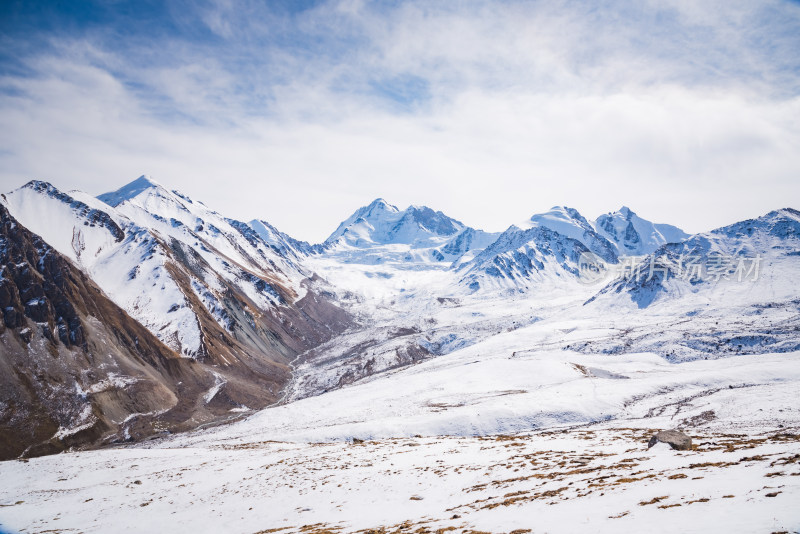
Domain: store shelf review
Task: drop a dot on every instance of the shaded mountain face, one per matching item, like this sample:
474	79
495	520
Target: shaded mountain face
75	369
522	259
128	191
286	245
635	236
569	223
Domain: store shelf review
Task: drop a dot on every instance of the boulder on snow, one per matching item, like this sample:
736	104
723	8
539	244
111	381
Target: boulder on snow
676	439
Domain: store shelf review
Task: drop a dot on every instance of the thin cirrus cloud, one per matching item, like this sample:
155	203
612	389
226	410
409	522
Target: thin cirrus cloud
299	112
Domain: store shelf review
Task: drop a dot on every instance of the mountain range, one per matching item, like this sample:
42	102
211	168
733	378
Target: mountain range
142	311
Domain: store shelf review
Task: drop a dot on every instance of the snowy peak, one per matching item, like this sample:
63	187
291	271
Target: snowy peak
77	227
782	223
381	223
370	215
568	222
129	191
144	199
635	236
90	214
545	247
560	217
379	205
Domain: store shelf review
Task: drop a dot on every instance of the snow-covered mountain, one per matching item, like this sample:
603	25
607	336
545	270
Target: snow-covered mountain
381	223
759	256
550	246
77	370
455	344
208	287
720	293
634	236
568	222
416	234
286	245
546	247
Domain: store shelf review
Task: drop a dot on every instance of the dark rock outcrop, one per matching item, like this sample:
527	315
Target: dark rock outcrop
675	438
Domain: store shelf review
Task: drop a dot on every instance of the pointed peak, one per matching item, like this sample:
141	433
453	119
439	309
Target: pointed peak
128	191
381	204
145	179
38	185
559	213
564	210
376	208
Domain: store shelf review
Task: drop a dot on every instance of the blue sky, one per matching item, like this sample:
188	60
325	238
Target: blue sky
298	112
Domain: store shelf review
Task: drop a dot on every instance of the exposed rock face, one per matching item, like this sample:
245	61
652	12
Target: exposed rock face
77	371
66	378
676	439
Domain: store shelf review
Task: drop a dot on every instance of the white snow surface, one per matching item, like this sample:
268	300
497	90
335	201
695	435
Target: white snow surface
430	457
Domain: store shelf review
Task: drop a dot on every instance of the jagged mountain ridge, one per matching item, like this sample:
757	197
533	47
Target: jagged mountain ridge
518	259
282	242
383	223
380	231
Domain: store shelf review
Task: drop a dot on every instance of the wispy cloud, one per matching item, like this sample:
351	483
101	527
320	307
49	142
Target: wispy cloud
686	111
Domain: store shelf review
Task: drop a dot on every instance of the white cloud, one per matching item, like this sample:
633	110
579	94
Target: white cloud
530	105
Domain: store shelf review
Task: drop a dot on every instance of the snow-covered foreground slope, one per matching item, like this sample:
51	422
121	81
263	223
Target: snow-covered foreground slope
427	460
599	480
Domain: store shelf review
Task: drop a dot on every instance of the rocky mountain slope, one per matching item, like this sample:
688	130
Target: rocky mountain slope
208	288
223	292
76	369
